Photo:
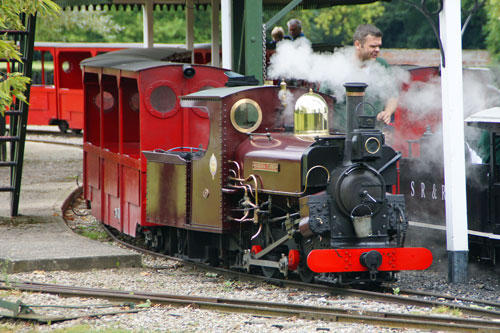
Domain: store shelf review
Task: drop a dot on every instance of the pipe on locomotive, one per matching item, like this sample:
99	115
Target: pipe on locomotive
355	93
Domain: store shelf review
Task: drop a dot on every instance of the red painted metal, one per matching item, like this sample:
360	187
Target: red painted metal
293	260
411	126
256	249
57	93
347	260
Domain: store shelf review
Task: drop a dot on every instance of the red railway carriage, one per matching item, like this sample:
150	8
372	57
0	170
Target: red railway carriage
410	126
131	105
57	90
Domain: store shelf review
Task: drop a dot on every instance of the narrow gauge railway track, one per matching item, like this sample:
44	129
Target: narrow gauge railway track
476	308
43	131
393	320
54	137
53	142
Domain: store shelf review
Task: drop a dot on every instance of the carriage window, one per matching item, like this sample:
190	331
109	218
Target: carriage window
246	115
133	102
108	101
66	66
163	99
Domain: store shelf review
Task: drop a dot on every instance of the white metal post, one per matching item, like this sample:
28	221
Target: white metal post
227	37
190	27
147	22
453	142
215	33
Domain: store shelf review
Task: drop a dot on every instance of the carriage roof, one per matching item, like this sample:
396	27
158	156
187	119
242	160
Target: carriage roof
488	119
136	60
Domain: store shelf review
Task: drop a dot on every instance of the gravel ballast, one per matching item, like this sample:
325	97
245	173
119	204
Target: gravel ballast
167	276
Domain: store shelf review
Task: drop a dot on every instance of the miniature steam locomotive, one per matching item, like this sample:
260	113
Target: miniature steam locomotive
243	176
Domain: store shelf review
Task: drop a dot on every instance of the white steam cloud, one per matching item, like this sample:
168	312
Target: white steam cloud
420	100
296	60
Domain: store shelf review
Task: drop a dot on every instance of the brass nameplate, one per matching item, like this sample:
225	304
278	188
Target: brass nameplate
265	166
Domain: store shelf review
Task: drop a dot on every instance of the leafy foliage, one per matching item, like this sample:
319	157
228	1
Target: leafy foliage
77	26
121	26
493	28
331	25
14	84
405	27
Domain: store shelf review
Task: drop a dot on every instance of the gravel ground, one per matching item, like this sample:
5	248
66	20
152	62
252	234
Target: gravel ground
167	276
160	275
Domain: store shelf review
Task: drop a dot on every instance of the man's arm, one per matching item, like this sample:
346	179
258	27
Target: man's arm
390	108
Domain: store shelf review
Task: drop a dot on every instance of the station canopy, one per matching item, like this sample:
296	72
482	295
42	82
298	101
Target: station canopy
180	4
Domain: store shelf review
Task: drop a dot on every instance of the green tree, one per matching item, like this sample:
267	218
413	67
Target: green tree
493	28
405	27
14	84
331	25
77	26
122	25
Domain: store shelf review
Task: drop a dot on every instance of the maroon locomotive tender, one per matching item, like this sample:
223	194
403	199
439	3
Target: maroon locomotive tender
242	176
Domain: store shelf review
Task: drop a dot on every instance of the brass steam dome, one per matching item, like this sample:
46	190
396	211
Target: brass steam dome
311	115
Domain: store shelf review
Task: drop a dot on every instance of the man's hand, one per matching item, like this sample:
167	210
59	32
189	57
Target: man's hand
385	117
390	108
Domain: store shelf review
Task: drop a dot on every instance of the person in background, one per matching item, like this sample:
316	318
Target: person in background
484	147
367	43
277	34
294	29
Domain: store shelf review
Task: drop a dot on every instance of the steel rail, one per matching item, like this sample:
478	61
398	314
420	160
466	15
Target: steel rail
272	309
445	296
77	145
33	131
350	292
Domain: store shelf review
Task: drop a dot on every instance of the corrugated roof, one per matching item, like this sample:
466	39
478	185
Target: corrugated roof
136	60
180	4
218	92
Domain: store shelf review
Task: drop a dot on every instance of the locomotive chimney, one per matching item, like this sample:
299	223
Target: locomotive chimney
355	92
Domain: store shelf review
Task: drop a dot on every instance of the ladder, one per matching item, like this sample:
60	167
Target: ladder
18	113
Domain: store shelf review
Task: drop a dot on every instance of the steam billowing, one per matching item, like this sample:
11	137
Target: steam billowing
296	60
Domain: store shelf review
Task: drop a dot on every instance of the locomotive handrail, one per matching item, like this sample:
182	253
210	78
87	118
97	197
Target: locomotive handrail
268	135
181	147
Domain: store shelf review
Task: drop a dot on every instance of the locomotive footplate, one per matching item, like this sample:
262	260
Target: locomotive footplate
350	260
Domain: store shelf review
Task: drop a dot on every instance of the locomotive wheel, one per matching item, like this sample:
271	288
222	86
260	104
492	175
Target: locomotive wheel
269	272
148	238
305	274
157	240
63	126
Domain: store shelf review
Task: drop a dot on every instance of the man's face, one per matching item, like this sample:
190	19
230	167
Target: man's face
294	30
369	49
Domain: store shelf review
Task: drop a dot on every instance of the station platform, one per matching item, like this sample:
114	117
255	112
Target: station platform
39	239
